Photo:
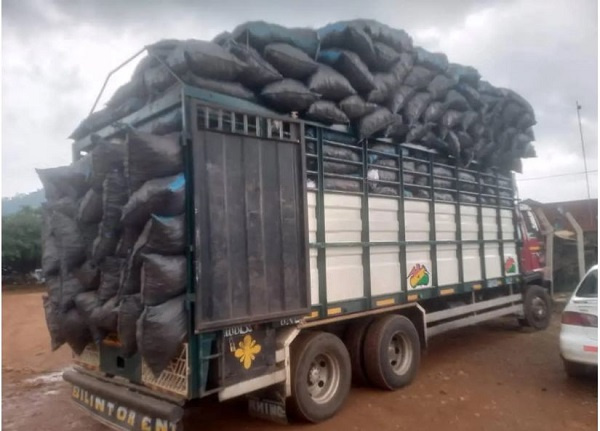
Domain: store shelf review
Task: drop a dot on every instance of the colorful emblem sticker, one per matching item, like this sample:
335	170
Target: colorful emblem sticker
510	266
418	276
247	351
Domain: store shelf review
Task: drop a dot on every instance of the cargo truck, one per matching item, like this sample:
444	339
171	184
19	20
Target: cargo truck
297	286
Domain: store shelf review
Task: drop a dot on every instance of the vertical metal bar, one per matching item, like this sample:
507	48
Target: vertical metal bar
459	238
500	232
515	219
432	229
321	256
193	341
401	222
480	235
365	234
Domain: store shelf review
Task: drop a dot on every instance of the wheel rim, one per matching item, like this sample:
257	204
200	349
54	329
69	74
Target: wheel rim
539	308
323	378
399	353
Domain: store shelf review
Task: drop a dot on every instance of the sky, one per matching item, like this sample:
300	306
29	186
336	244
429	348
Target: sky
57	53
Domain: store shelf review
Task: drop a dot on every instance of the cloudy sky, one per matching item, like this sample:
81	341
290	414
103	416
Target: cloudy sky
56	54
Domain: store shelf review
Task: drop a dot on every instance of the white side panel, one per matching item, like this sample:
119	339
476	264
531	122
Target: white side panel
344	273
416	219
342	218
385	270
471	262
447	260
490	225
383	219
418	257
508	227
493	268
470	231
311	199
468	223
314	277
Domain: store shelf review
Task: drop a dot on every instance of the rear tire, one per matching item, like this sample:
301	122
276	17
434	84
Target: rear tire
354	339
537	307
392	352
574	370
321	376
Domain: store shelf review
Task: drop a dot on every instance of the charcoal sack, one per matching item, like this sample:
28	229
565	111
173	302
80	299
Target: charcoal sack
288	95
161	330
130	310
289	61
163	277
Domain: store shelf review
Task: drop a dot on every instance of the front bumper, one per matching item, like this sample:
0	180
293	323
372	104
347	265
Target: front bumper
122	408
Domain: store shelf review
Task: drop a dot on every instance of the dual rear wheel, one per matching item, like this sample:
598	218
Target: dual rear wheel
384	352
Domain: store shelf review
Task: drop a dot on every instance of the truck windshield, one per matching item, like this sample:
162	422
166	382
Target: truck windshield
533	229
589	286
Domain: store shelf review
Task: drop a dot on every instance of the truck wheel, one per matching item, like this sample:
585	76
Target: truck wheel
573	369
354	339
321	376
537	307
392	352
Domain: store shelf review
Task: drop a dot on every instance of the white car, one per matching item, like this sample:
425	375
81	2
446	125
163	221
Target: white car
579	327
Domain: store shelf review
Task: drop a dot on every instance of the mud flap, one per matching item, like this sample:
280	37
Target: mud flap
269	404
121	408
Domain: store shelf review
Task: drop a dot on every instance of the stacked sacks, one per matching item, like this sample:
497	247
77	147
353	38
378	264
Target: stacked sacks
152	318
359	72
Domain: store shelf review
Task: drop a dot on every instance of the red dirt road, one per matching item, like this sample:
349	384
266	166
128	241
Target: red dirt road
494	377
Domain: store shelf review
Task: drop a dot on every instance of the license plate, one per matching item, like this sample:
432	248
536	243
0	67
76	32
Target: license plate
119	416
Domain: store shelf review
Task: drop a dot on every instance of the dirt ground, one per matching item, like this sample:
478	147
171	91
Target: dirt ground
494	376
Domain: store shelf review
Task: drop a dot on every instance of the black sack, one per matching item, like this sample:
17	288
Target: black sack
130	310
105	317
110	274
88	275
351	66
326	112
70	244
234	89
86	303
386	56
355	107
288	95
419	78
258	72
66	181
259	34
374	122
75	331
434	112
90	209
151	156
432	60
106	156
161	330
289	61
162	235
385	83
53	323
400	98
439	86
416	106
455	100
212	61
331	85
161	196
162	278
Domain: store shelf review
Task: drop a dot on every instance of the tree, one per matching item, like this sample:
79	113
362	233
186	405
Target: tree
21	241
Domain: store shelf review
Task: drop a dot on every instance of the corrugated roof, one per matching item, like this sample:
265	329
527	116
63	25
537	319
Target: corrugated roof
584	211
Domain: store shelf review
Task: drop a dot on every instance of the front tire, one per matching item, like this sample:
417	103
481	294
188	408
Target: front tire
321	376
537	307
392	352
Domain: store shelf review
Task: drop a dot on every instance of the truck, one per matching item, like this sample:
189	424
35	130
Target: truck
298	286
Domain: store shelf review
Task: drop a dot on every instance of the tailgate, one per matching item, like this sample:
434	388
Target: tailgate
121	408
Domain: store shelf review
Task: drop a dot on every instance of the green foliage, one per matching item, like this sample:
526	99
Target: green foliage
21	241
